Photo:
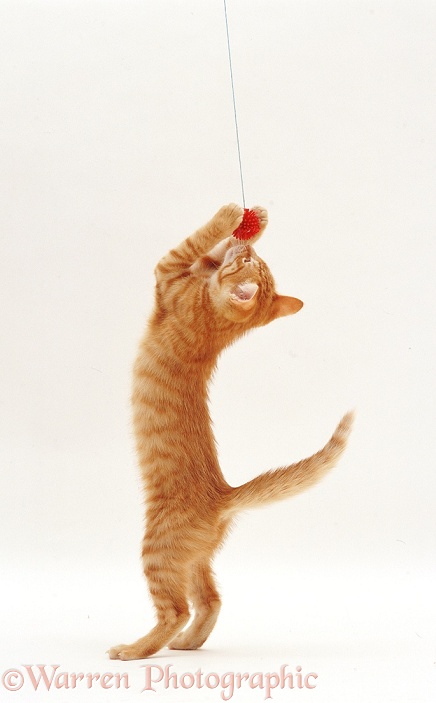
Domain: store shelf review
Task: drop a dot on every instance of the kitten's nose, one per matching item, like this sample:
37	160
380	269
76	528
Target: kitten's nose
247	255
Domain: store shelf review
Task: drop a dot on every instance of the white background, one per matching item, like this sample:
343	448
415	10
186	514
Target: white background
117	140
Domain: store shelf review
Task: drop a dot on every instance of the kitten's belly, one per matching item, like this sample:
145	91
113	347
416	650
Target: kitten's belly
175	443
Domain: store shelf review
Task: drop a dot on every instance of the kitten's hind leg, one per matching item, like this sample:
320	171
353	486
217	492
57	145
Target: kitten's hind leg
207	604
168	590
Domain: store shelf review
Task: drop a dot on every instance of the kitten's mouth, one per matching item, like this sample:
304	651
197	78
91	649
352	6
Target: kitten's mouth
244	291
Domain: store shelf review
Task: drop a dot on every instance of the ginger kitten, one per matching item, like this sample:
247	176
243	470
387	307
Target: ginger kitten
210	290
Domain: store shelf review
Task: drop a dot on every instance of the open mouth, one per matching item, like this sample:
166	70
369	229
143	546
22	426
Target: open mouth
244	291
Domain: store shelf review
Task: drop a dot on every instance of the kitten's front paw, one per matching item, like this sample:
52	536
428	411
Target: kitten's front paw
228	218
262	215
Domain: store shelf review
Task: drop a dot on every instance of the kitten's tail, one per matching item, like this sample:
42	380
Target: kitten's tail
290	480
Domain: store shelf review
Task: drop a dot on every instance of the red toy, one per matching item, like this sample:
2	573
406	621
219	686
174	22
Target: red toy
249	226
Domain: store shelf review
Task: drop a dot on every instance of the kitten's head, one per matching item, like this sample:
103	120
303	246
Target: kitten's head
241	286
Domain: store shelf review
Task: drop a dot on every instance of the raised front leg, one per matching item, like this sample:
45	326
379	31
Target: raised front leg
206	265
221	226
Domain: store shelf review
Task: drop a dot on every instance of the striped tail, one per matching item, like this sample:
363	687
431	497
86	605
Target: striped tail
291	480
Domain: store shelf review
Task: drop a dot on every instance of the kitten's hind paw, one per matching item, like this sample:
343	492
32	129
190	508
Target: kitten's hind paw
125	652
181	642
115	652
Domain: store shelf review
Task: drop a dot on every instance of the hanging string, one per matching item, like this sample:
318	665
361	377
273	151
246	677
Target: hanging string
234	103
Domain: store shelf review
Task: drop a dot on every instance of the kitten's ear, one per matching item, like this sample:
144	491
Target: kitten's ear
285	305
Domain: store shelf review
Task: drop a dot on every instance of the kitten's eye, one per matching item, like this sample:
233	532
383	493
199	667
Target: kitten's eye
208	263
204	266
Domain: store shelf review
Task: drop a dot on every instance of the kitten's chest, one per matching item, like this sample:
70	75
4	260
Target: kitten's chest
167	397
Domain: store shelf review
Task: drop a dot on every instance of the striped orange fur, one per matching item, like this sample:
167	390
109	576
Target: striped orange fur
210	290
